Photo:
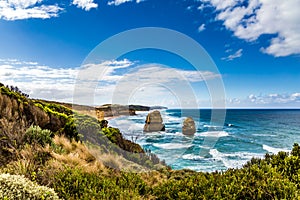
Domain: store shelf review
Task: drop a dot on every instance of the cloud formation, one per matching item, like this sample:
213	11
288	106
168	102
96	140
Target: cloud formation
41	81
233	56
153	84
25	9
274	100
201	28
38	81
119	2
251	19
85	4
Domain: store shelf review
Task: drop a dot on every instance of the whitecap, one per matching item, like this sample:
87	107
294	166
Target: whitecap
204	147
136	127
213	134
274	150
173	146
230	125
234	160
121	122
153	134
211	126
172	119
263	135
192	157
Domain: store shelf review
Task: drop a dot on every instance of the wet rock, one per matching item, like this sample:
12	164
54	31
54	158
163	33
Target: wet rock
154	122
188	127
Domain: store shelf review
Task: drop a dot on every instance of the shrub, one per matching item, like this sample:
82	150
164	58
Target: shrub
11	139
74	183
17	187
34	134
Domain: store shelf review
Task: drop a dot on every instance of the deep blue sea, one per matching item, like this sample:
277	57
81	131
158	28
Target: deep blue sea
246	133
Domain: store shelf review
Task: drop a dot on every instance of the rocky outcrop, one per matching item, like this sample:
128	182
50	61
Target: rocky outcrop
110	110
15	109
154	122
188	127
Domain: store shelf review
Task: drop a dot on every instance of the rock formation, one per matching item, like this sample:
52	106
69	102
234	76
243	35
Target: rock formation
154	122
110	110
24	113
188	127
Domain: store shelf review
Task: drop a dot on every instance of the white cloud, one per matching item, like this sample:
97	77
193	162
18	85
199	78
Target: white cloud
40	81
123	78
119	2
251	19
150	72
273	100
85	4
158	84
160	74
106	70
154	81
237	54
25	9
201	7
201	28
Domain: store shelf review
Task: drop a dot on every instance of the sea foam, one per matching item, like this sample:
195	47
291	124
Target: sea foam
234	160
213	134
274	150
192	157
173	146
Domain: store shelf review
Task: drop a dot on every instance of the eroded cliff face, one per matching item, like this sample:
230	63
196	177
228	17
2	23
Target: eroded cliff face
24	113
18	113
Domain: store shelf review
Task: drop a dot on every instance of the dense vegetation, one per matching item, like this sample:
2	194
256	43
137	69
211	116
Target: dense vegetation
55	156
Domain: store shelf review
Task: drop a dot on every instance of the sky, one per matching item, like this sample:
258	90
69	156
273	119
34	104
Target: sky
50	50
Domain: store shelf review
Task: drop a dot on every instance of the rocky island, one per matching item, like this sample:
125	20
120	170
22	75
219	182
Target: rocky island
154	122
189	127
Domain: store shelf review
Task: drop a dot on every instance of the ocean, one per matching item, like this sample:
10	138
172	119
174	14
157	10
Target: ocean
246	133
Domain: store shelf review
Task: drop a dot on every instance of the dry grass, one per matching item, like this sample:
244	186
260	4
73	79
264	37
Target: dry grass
30	159
112	161
74	155
74	149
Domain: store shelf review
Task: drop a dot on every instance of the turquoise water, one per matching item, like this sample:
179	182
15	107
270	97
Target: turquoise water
245	134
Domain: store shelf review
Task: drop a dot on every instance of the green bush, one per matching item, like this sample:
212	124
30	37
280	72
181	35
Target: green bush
75	184
16	187
13	94
34	134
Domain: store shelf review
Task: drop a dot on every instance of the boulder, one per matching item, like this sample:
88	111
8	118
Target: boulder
154	122
188	127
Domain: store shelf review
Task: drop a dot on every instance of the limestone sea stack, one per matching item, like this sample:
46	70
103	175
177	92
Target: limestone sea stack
154	122
188	127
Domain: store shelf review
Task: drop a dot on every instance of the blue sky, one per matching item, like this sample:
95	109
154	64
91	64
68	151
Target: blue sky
255	45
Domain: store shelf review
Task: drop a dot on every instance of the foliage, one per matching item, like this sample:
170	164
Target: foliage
53	107
76	184
16	187
13	92
34	134
69	167
11	138
275	177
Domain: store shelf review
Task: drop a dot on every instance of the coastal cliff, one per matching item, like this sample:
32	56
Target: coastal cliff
44	156
18	113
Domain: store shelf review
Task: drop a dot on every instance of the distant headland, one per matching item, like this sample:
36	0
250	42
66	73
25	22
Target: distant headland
109	110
